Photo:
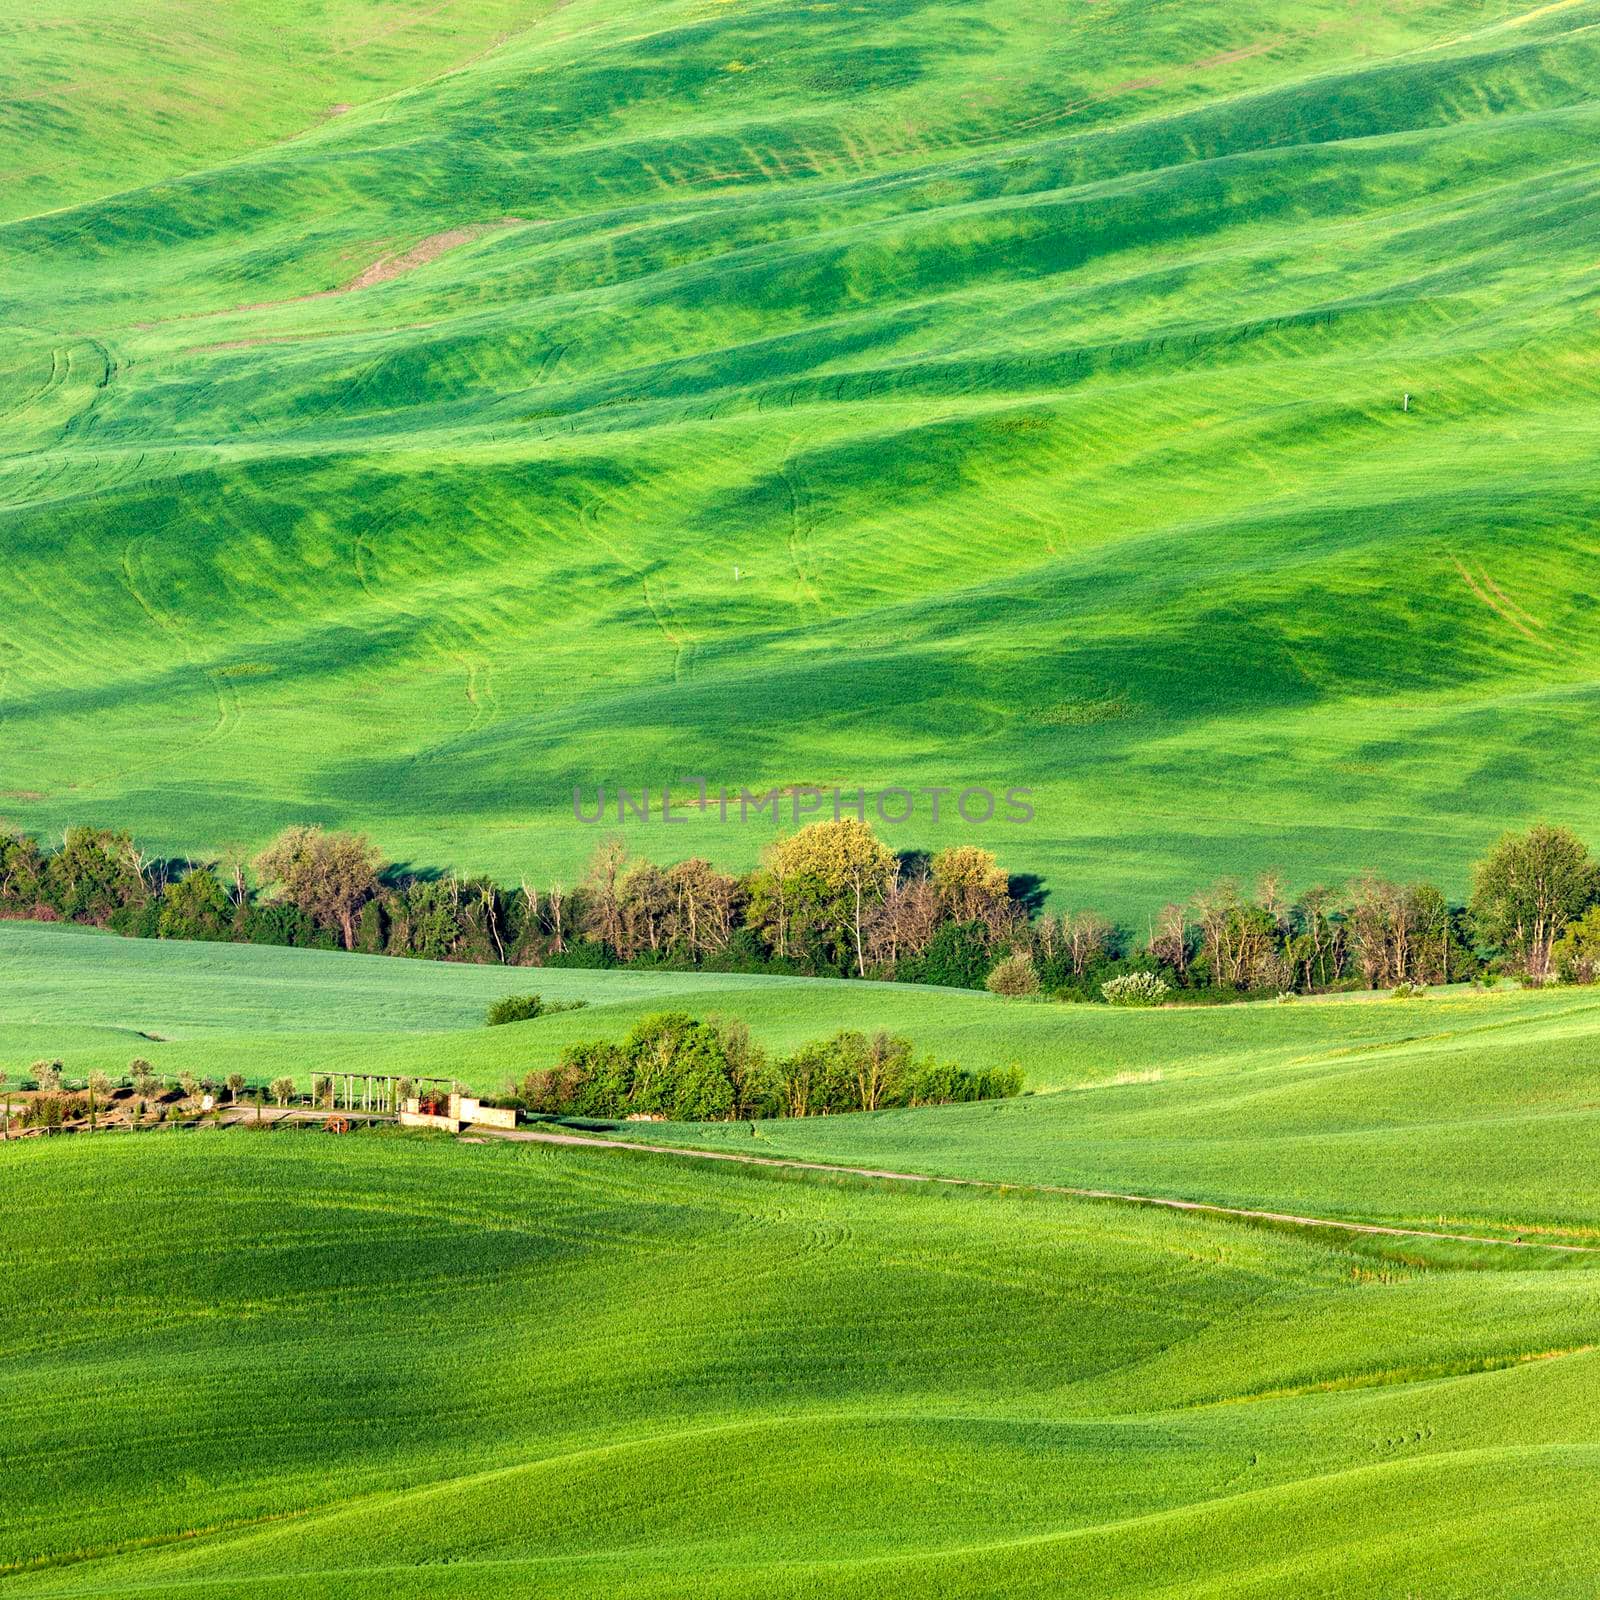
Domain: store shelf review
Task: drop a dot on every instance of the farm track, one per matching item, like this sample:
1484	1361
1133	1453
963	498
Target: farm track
1165	1202
478	1134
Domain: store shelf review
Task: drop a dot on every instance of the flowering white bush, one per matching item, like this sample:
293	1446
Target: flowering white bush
1134	989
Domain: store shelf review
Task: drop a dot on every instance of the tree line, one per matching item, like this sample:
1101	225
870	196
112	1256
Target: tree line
832	899
676	1067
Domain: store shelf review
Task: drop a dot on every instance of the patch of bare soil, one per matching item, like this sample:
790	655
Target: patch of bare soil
383	270
421	253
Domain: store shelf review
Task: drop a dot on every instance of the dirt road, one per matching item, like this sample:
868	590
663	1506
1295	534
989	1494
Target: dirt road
531	1135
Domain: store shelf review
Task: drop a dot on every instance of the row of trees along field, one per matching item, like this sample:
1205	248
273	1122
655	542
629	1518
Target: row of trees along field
833	899
675	1066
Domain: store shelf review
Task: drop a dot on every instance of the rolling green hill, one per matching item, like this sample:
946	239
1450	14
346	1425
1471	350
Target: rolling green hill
390	1366
1465	1111
1039	368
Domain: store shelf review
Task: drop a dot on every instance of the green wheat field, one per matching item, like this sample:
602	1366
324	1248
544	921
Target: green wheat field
409	412
239	1364
492	1371
388	399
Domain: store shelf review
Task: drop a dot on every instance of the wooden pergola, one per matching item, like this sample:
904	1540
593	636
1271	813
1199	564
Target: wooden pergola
379	1091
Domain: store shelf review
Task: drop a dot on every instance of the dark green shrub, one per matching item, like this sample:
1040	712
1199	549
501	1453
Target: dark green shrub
585	953
515	1008
744	952
372	928
279	923
196	907
957	957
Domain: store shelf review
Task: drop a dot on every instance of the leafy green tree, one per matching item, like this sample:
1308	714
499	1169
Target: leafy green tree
427	919
282	1090
701	1091
973	887
196	907
485	918
1526	891
591	1078
802	1077
658	1049
824	883
878	1069
235	1086
957	957
22	870
748	1069
372	928
95	874
1576	954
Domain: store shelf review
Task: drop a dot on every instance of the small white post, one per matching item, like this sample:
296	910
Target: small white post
1405	404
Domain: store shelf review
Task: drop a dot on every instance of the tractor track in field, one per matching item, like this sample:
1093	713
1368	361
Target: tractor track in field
481	696
1500	603
1162	1202
799	529
22	405
680	648
229	710
681	644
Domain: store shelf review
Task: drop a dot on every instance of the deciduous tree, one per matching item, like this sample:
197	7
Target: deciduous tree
1528	888
328	876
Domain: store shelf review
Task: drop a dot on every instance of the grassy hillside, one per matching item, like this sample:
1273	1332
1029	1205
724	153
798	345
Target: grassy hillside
1473	1111
338	1368
98	103
1039	368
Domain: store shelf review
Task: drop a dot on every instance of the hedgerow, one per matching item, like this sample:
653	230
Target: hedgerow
832	900
685	1069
